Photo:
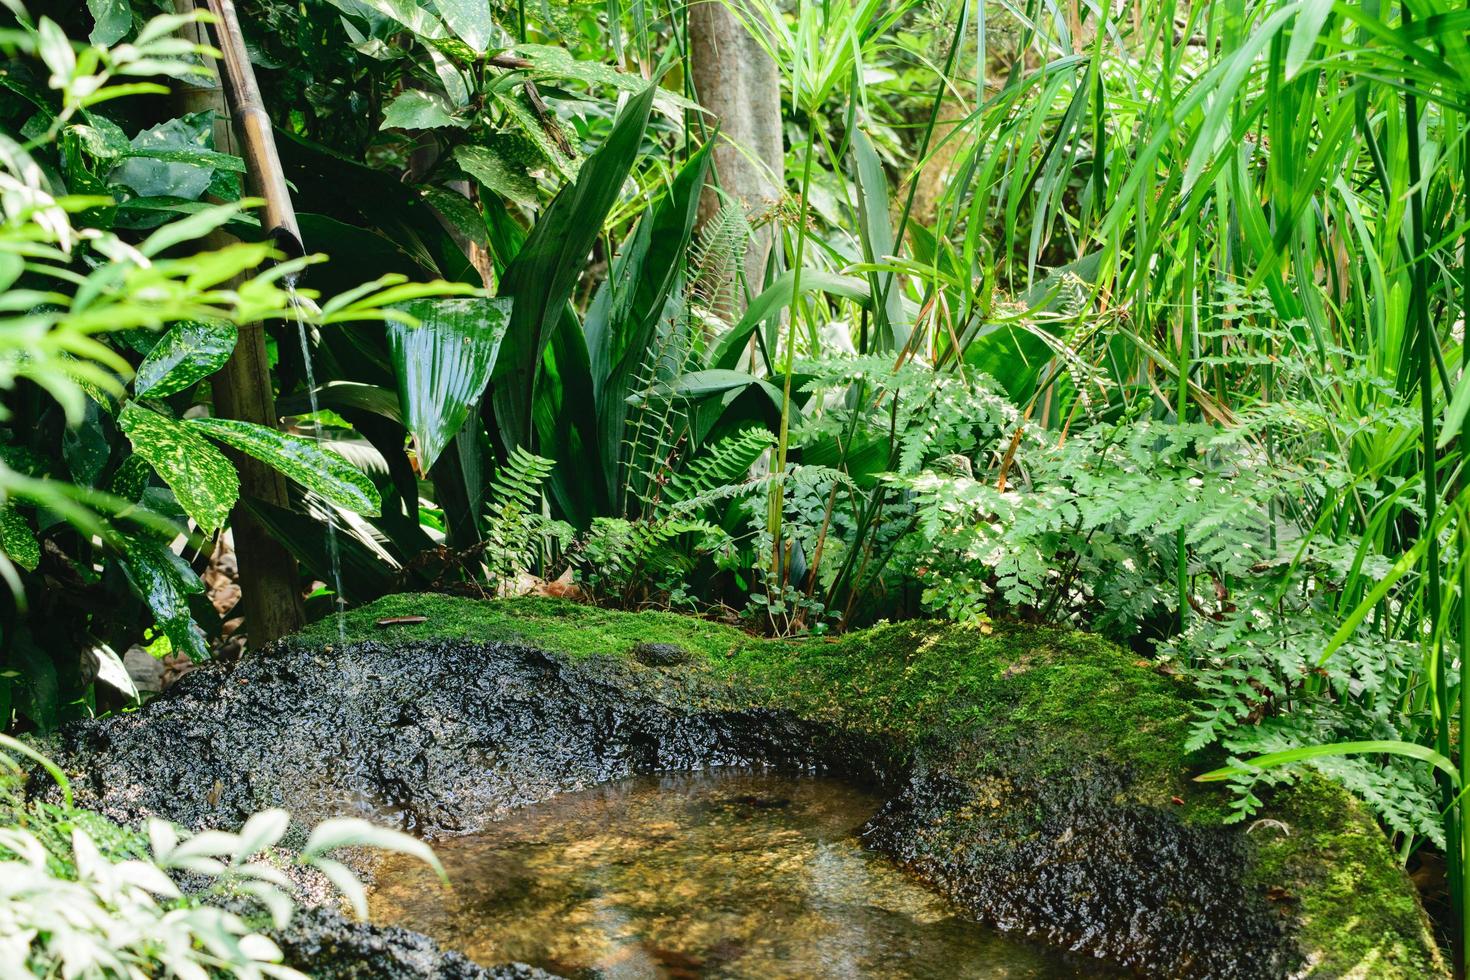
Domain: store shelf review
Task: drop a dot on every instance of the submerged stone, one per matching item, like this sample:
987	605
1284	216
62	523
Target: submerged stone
1033	776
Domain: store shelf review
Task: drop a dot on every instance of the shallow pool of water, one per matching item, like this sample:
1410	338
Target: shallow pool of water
727	873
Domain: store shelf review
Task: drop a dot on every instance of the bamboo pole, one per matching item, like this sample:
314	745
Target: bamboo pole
269	582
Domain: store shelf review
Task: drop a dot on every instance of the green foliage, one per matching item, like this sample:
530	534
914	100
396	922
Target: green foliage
306	461
187	354
518	536
107	279
87	898
443	365
203	481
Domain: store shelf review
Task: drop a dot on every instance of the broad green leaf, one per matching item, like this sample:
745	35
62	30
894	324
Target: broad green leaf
112	20
415	109
17	539
303	460
470	21
409	13
40	692
506	178
461	213
86	446
443	365
190	351
55	50
164	582
876	235
167	178
110	670
526	139
204	482
550	262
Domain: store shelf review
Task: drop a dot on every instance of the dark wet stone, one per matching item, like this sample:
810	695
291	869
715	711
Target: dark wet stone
661	654
1039	834
329	946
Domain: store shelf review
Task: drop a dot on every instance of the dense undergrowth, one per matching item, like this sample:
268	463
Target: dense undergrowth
1144	320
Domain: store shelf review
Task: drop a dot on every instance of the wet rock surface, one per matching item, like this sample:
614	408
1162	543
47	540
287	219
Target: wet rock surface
1049	834
329	946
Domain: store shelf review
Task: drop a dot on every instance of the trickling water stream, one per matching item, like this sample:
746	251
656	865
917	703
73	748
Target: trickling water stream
726	873
334	553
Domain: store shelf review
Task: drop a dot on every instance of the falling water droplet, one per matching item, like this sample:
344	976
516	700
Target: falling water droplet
334	553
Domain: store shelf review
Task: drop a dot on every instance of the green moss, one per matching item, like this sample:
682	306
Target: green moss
907	681
551	624
1322	854
1016	684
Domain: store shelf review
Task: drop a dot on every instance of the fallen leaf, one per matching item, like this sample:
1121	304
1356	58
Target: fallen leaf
402	620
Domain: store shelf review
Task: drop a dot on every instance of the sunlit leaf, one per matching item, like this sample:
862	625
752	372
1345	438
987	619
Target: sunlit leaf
470	20
204	482
17	539
112	20
303	460
444	364
190	351
416	109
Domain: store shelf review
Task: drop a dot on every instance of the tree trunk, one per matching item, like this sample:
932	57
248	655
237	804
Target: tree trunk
738	83
269	583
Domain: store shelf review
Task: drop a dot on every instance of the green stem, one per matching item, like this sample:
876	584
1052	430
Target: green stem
1424	340
778	489
1463	843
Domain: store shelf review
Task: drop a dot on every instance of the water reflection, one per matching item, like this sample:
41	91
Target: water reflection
727	873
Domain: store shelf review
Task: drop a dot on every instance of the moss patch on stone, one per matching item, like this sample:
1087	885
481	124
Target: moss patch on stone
547	624
1320	857
906	681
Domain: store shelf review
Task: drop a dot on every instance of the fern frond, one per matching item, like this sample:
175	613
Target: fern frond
715	260
652	433
722	464
519	481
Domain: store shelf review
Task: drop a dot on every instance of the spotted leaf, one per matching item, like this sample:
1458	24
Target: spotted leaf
18	540
304	460
204	482
190	351
164	582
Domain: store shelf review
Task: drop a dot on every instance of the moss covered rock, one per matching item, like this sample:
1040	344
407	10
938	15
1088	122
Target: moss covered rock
1034	775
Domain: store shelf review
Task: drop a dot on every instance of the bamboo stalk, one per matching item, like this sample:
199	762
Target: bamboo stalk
242	389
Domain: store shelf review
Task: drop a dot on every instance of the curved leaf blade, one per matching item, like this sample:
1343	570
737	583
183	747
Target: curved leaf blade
776	297
303	460
1308	752
191	351
443	365
204	482
164	582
